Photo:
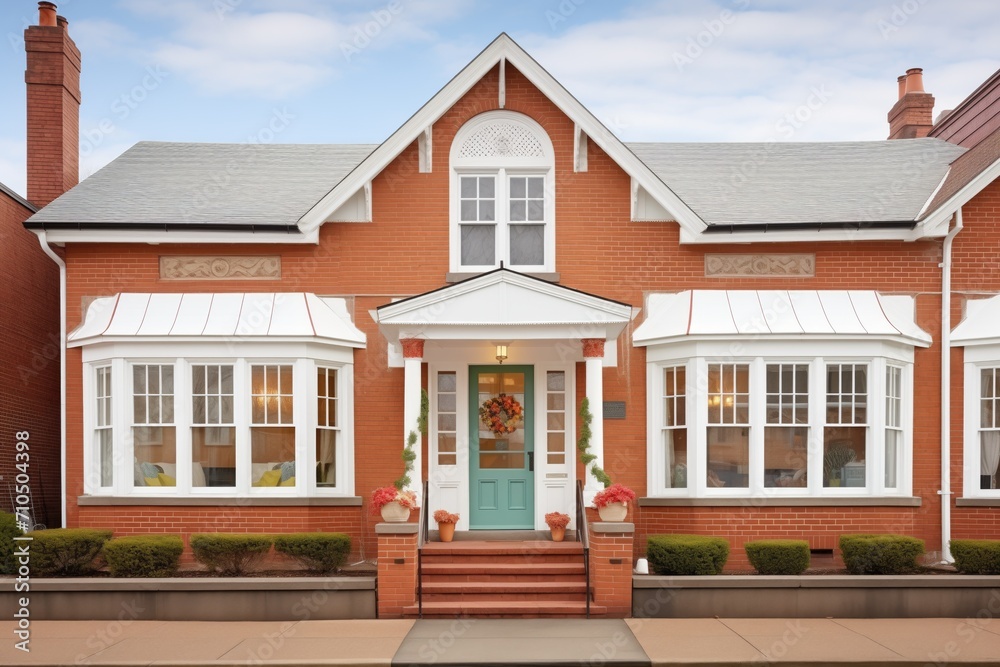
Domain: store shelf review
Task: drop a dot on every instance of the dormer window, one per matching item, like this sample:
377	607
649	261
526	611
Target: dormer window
503	207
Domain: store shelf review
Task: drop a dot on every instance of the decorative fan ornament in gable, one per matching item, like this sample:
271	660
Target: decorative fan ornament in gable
502	139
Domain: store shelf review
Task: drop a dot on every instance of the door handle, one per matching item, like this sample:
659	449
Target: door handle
531	462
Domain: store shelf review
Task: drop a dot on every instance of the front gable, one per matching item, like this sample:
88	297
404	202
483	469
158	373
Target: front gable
497	70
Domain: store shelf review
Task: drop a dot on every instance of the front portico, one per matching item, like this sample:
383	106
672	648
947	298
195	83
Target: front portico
502	478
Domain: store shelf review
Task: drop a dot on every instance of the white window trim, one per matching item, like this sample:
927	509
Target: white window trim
695	357
502	169
119	358
977	359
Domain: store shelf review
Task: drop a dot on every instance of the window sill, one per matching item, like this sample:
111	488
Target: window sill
227	501
783	502
977	502
454	277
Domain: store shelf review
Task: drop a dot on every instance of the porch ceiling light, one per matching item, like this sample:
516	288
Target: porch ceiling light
501	352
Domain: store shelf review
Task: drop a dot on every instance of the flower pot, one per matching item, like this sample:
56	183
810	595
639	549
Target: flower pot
446	531
613	512
558	534
394	512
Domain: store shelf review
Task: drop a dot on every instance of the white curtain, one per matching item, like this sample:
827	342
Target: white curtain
990	445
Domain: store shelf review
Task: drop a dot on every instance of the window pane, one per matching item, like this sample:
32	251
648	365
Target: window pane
536	211
556	449
487	187
555	381
469	187
446	382
478	245
536	187
213	456
527	245
786	456
326	457
728	457
139	379
844	456
105	456
989	458
675	445
893	444
157	445
270	447
518	188
487	211
518	211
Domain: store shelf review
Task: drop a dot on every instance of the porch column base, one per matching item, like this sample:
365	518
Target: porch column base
397	568
611	566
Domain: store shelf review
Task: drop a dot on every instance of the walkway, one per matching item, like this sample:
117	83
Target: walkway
717	642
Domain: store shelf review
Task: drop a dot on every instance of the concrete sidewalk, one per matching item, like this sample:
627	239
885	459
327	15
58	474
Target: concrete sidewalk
640	642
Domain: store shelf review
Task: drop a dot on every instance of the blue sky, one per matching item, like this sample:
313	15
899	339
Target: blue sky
349	71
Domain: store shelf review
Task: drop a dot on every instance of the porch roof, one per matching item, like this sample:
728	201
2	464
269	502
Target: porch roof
282	316
779	314
503	304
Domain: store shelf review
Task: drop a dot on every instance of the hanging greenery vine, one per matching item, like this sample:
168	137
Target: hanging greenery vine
583	444
409	455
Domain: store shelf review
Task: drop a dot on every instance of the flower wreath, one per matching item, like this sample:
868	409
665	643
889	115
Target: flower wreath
501	414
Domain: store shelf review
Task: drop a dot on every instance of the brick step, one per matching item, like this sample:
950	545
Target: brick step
472	548
504	609
528	571
504	588
502	558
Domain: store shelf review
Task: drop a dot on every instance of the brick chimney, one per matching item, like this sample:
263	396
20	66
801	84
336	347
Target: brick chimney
53	86
913	114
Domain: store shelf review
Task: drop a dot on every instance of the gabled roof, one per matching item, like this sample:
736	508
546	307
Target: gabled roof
230	186
779	314
502	50
968	175
17	198
503	303
843	184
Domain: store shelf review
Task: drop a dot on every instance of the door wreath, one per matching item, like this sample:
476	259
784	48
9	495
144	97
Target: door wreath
501	414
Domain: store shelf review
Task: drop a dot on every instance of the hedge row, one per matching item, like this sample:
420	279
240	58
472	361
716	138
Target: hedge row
68	552
863	554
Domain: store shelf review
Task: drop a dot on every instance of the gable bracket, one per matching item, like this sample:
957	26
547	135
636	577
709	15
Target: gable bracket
368	201
503	83
424	145
579	148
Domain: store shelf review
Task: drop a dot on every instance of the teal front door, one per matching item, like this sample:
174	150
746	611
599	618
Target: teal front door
502	448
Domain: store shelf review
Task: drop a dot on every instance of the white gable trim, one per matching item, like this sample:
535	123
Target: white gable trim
503	48
936	223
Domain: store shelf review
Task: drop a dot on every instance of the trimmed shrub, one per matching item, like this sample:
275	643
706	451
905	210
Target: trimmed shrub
66	552
687	554
231	554
8	531
976	556
144	555
880	554
778	556
320	552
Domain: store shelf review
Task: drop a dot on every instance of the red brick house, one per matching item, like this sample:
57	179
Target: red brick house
758	327
29	280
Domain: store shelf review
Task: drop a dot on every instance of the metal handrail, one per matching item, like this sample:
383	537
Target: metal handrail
422	538
583	535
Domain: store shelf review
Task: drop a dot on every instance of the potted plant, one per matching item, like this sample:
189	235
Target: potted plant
557	522
446	524
612	502
392	504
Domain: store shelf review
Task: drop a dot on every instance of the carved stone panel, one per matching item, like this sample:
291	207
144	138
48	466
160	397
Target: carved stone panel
760	265
209	267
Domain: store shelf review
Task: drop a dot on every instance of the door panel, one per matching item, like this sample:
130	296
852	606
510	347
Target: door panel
502	452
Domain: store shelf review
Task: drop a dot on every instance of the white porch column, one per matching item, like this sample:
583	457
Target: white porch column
593	354
413	355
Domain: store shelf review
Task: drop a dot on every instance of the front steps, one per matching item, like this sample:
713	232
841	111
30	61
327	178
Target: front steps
483	578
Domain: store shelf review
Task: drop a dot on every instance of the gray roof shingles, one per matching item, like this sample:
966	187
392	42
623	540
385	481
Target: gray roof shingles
853	183
156	183
727	184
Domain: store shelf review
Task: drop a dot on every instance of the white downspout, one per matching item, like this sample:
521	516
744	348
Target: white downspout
62	367
945	491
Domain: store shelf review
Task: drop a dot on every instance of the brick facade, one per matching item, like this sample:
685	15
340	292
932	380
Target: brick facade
599	250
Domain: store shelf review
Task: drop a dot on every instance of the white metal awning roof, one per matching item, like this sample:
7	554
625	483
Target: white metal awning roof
270	316
981	325
779	314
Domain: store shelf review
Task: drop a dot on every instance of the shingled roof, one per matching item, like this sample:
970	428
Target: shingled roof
218	185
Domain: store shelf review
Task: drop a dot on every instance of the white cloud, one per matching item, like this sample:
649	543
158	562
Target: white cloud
688	72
